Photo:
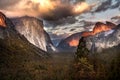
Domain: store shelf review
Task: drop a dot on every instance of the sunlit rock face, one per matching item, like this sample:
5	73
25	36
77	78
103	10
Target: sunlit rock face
6	27
32	29
2	20
105	39
101	37
70	43
11	41
101	41
99	27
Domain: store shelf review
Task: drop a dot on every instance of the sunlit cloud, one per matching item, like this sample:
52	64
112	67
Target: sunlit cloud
46	9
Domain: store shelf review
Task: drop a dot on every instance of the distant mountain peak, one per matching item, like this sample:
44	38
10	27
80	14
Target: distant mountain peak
99	27
103	35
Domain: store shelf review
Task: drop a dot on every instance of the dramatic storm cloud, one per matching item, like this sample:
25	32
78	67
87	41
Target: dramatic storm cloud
104	6
108	4
64	17
46	9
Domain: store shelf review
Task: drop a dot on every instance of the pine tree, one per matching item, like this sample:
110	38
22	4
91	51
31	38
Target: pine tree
83	69
114	71
82	51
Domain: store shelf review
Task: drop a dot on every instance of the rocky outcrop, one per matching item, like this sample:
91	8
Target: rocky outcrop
99	27
103	36
32	28
2	20
18	57
70	43
104	39
13	42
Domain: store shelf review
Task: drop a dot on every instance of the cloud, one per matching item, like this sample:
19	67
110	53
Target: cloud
64	10
117	4
61	22
108	4
116	17
4	4
20	8
46	9
104	6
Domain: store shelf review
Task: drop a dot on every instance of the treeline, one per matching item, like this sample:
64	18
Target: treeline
97	66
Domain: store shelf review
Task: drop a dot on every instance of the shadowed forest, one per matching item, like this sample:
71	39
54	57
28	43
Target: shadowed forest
61	66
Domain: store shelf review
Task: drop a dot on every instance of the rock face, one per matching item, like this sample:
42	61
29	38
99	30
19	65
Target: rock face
70	43
32	29
12	42
103	36
99	27
18	57
104	40
2	20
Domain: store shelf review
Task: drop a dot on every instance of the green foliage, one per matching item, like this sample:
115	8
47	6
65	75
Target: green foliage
97	66
114	70
82	51
84	70
18	61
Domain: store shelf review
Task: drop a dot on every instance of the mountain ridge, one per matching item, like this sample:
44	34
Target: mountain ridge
32	28
100	29
11	38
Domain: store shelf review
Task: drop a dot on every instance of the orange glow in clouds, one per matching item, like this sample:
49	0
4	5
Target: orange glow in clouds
47	8
46	5
80	7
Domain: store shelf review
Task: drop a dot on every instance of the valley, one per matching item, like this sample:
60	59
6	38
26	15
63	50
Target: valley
60	40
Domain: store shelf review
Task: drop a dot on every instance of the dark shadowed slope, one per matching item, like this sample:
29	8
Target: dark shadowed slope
17	55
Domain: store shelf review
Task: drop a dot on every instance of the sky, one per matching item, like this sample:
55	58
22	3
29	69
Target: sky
63	18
